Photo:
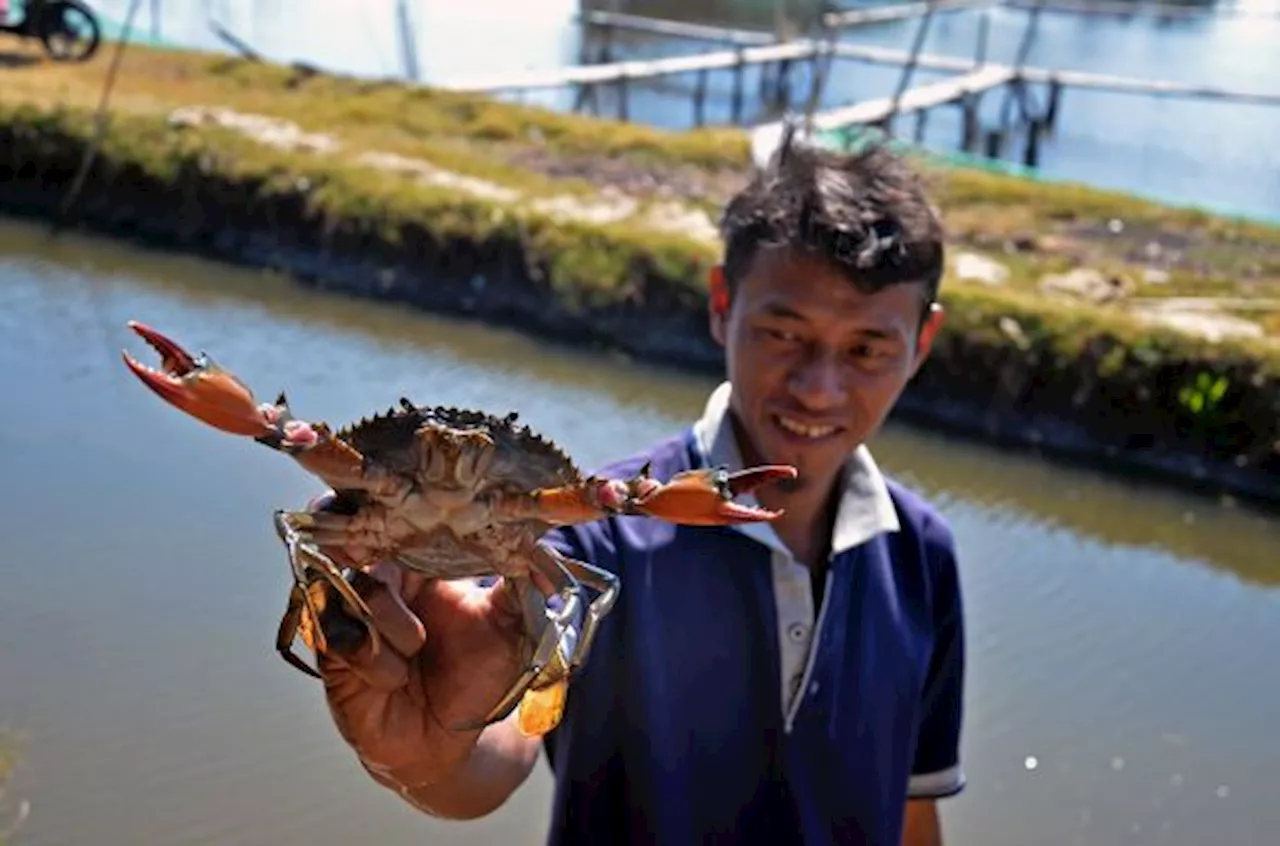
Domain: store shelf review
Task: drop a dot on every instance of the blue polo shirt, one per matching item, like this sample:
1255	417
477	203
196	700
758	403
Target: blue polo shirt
718	706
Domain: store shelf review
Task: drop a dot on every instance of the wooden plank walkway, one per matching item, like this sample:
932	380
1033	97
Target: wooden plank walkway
613	72
766	136
1066	78
919	98
616	71
638	69
759	48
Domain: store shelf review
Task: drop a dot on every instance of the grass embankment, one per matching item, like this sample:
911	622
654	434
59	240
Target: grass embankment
607	228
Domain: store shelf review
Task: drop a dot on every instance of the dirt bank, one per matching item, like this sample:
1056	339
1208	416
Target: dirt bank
526	227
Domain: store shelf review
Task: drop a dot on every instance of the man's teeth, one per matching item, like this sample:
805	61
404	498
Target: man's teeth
798	428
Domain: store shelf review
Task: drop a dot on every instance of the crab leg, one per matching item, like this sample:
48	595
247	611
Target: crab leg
705	497
597	579
691	498
212	395
542	705
307	562
200	388
549	654
300	601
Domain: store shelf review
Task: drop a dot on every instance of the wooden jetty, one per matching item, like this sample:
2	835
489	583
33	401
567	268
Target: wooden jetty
964	90
613	72
944	92
1063	78
810	48
752	48
800	49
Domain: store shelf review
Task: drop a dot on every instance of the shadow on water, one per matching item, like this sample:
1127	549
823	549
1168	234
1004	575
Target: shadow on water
1012	485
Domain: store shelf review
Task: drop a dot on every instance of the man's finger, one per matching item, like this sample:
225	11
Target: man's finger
384	670
399	628
382	593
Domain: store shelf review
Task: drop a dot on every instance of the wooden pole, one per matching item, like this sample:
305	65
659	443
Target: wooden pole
909	68
624	110
781	84
969	132
1051	108
984	33
995	143
605	54
1031	154
700	98
408	44
738	70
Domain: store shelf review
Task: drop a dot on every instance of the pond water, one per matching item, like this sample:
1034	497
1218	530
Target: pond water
1214	154
1122	637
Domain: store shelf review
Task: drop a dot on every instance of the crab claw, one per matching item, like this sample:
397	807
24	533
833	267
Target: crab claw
200	388
704	497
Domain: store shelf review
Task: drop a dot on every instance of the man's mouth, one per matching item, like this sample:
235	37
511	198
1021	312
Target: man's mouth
801	429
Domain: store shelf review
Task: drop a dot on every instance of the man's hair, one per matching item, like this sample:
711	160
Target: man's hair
866	213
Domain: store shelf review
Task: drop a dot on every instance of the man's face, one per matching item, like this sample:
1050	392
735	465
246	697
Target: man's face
815	364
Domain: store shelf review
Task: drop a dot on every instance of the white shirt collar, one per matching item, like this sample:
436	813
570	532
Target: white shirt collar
865	508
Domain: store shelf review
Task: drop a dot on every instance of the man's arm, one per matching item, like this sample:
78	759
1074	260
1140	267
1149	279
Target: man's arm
920	823
500	762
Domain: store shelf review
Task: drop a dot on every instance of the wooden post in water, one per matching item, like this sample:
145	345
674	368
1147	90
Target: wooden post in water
1051	108
700	98
781	94
970	130
738	69
909	68
1031	153
819	66
605	53
994	144
408	45
622	90
984	32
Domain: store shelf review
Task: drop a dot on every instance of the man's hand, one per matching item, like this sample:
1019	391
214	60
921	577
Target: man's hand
450	650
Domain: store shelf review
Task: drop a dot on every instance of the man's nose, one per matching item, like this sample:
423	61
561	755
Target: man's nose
819	382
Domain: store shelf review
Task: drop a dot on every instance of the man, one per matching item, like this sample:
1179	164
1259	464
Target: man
799	681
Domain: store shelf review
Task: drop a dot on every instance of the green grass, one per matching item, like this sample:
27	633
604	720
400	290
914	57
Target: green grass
1005	345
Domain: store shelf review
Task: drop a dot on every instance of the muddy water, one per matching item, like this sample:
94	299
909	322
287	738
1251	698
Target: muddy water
1122	638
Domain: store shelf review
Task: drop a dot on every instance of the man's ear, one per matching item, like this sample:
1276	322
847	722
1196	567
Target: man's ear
718	303
928	332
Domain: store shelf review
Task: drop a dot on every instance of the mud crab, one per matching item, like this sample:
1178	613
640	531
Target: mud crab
450	493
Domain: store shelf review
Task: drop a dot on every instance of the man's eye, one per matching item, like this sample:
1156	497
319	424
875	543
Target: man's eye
871	353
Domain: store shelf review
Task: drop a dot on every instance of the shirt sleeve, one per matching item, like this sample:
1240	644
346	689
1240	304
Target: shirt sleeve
936	771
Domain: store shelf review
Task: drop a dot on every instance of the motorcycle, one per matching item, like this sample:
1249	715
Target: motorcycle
53	23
